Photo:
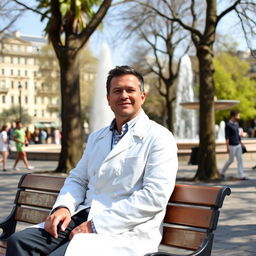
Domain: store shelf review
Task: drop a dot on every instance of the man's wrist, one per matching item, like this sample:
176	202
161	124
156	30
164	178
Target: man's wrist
59	207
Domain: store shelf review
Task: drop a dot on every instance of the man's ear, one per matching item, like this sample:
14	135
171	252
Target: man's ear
143	97
107	96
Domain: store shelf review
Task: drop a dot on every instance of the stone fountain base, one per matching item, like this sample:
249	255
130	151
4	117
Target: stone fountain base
185	150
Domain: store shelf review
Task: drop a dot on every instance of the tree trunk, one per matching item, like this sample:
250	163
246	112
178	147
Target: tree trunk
207	168
169	121
72	129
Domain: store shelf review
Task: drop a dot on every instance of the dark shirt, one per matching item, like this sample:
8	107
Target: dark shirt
232	133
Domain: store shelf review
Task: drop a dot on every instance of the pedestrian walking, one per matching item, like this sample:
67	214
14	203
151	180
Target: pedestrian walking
4	148
20	138
234	145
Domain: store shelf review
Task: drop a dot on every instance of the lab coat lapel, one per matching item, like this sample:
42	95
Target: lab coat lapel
103	143
125	143
138	130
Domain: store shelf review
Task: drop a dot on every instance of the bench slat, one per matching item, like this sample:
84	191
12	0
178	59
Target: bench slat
32	198
42	183
189	216
199	195
182	238
28	215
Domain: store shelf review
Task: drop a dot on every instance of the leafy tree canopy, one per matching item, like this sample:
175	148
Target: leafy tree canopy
232	82
12	114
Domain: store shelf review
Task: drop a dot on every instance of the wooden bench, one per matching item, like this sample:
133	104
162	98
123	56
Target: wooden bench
191	217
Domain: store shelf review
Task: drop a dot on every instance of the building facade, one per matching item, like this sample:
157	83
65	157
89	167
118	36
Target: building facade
29	78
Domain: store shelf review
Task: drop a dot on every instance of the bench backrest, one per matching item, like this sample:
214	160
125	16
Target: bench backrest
192	216
36	196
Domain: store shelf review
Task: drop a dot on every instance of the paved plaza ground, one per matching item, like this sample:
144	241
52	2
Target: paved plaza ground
236	232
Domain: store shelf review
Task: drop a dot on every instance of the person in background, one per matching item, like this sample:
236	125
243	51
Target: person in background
10	138
234	145
114	200
20	138
4	146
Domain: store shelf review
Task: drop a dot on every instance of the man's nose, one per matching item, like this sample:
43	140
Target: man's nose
124	94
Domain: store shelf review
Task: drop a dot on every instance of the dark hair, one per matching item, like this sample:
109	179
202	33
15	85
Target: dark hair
4	127
233	113
124	70
18	122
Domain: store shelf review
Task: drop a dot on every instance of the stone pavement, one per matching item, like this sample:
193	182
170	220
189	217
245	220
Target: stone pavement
236	231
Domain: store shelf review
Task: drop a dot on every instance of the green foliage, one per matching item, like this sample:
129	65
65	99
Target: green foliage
232	82
80	11
12	114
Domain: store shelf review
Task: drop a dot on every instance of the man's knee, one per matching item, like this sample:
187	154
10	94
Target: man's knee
15	238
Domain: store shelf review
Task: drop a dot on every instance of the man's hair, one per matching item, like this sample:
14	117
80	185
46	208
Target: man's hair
233	113
124	70
18	122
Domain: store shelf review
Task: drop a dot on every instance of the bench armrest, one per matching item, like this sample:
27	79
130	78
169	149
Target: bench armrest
8	225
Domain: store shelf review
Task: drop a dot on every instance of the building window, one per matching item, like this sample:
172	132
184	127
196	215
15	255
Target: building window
3	99
12	99
18	72
26	73
42	113
11	72
35	112
12	84
26	99
2	71
12	60
26	85
35	100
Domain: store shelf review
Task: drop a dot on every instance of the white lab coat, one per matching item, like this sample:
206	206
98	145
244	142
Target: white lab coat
127	189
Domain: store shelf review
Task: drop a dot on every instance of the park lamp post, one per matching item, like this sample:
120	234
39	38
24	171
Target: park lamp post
20	110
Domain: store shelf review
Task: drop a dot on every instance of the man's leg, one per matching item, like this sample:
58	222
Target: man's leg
38	242
240	162
230	159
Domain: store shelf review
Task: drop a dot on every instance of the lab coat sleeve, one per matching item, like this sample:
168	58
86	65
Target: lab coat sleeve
74	189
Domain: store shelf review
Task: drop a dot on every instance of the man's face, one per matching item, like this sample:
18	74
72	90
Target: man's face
19	125
125	97
237	117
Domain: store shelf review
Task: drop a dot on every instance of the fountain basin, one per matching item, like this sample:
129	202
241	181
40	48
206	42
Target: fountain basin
218	104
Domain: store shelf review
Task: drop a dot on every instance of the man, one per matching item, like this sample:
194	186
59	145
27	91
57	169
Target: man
114	201
234	145
19	136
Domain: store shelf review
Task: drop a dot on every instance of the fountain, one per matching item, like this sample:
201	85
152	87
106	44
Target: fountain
186	123
185	120
221	132
101	114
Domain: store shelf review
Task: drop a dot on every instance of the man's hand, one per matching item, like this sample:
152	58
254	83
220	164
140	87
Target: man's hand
85	227
61	215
